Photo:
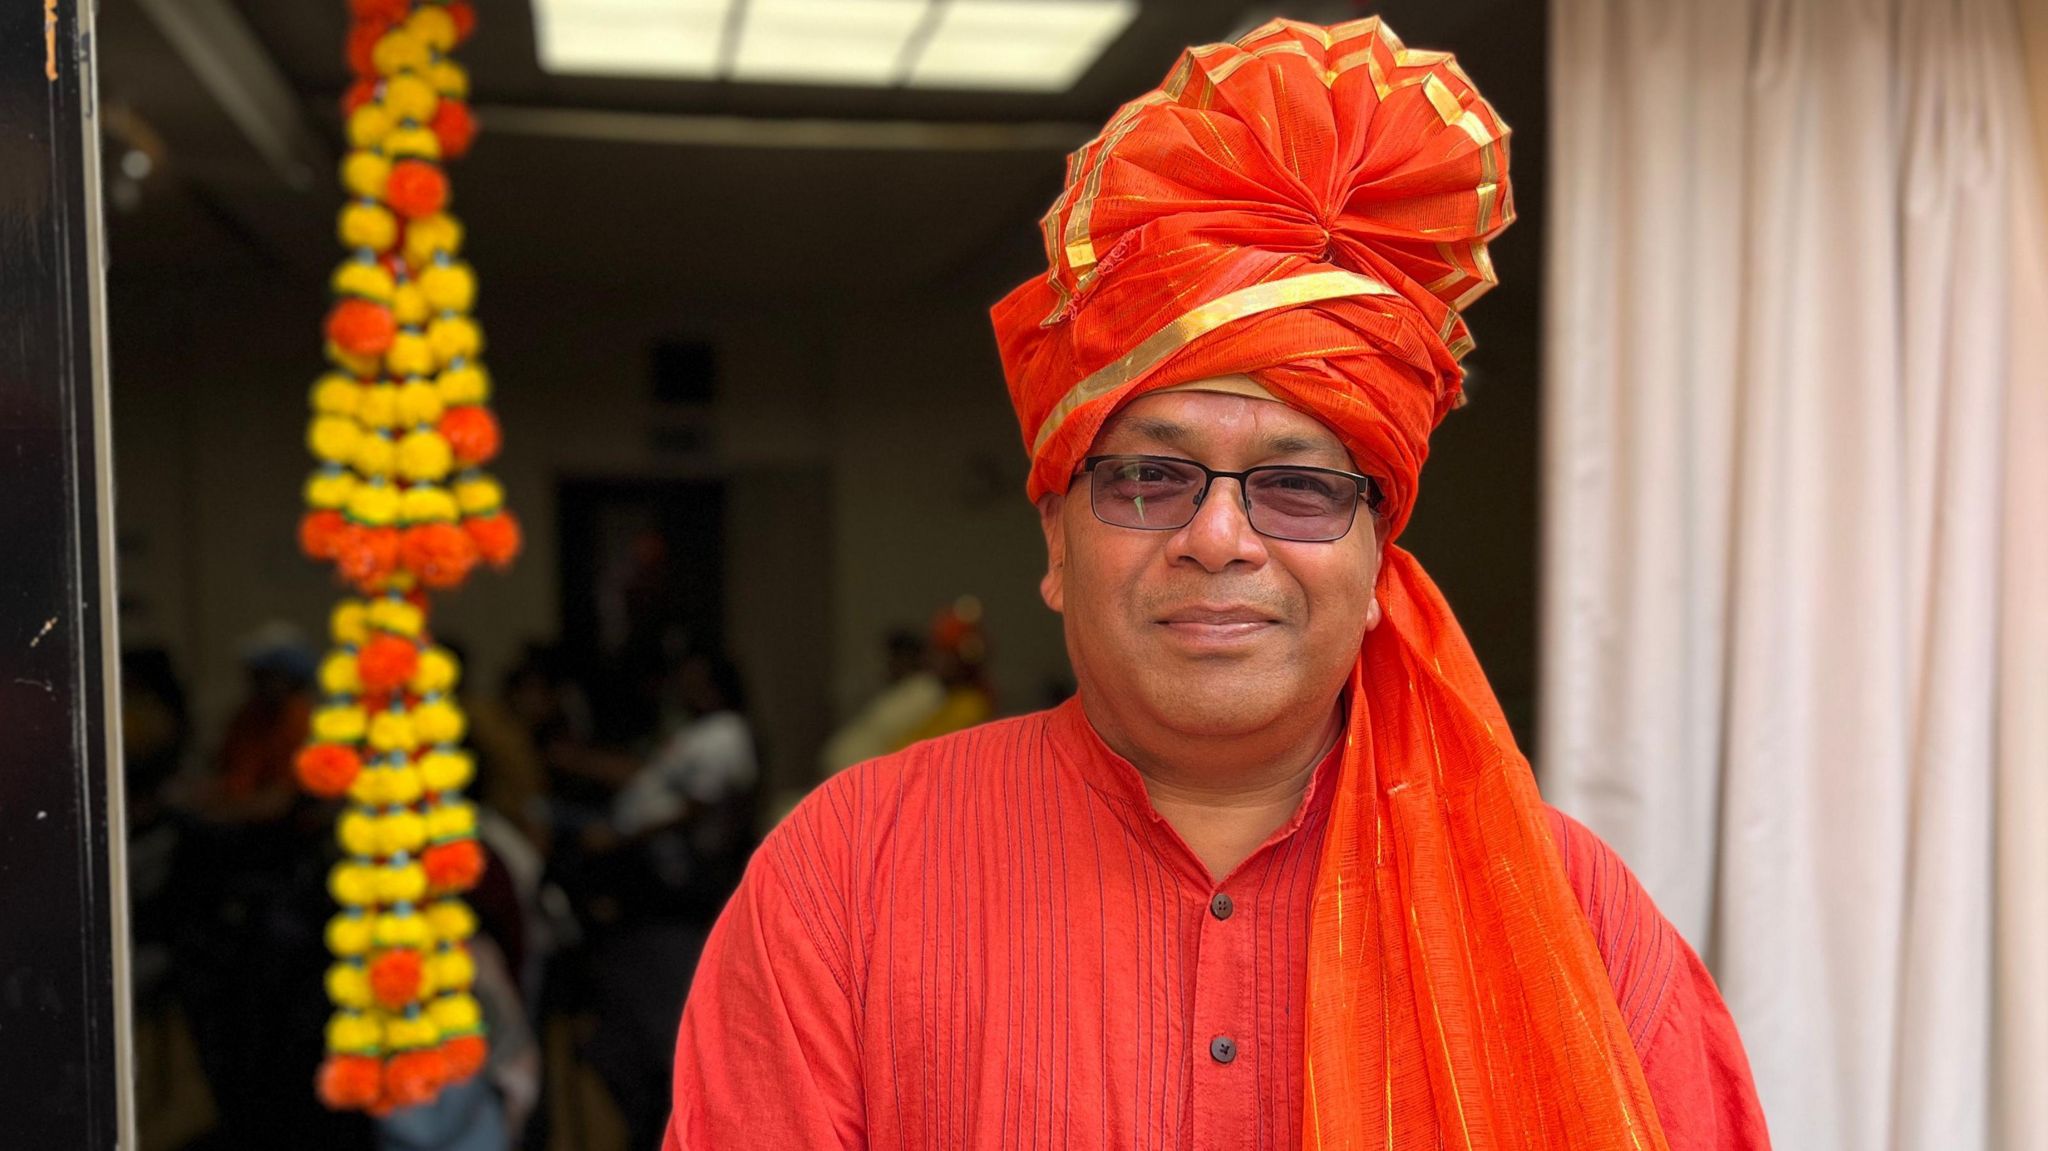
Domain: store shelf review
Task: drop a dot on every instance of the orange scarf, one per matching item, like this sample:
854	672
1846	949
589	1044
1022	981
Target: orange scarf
1310	206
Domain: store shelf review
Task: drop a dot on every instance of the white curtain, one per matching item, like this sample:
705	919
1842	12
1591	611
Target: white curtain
1796	536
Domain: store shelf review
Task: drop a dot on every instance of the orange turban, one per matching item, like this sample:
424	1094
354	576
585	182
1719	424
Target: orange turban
1310	207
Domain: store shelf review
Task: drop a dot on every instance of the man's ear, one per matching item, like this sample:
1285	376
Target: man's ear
1052	589
1373	614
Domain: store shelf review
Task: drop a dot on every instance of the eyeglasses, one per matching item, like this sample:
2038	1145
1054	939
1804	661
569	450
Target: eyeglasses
1281	501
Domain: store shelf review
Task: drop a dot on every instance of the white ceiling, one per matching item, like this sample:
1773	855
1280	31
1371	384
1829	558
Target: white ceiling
550	199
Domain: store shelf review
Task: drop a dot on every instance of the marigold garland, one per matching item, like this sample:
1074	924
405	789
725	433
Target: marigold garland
398	505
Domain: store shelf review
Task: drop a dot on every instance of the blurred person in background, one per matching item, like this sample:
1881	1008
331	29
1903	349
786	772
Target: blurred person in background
252	781
958	655
910	696
249	879
659	867
510	783
171	1100
156	732
937	684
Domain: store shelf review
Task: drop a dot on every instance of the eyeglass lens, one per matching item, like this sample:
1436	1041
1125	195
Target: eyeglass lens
1303	504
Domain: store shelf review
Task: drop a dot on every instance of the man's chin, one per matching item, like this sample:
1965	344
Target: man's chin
1220	706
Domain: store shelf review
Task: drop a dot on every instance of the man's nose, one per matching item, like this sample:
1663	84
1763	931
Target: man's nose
1221	532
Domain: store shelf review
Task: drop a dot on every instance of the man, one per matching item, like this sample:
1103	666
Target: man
1277	876
941	687
254	783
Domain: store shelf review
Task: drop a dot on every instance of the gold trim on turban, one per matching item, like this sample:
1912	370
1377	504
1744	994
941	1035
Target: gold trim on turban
1229	386
1154	349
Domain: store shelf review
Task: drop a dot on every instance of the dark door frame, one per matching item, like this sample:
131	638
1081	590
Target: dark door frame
64	1010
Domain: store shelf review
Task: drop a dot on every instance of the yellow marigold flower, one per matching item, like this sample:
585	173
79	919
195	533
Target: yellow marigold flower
409	304
352	884
366	225
449	78
399	50
451	821
338	724
392	731
401	831
397	617
347	623
348	934
437	673
395	930
455	337
336	395
455	1013
333	438
363	172
424	456
430	236
412	143
405	786
452	919
427	504
468	384
374	457
449	287
368	125
433	27
368	280
375	504
348	985
410	353
446	770
409	96
439	722
419	402
403	1034
329	489
403	883
353	1033
479	495
454	970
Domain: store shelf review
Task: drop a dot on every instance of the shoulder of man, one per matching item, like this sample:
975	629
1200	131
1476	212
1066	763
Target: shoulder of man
852	825
1644	954
926	771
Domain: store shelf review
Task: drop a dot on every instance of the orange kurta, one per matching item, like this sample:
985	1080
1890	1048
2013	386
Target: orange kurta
991	940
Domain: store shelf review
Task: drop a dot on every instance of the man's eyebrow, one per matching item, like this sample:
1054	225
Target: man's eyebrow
1291	444
1184	439
1151	428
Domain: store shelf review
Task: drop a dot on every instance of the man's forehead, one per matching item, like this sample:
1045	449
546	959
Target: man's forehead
1196	416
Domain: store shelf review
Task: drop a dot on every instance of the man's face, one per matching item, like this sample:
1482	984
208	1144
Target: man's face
1210	629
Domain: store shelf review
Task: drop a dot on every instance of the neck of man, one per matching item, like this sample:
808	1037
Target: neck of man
1224	795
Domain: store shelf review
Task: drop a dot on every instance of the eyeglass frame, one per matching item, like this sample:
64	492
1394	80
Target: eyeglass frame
1369	492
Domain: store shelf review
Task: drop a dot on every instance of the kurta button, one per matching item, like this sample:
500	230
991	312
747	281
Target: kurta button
1222	1049
1221	906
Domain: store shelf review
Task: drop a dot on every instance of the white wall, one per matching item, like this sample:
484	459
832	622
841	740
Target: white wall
873	471
929	469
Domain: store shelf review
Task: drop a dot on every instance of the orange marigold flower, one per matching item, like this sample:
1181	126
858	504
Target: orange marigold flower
327	769
395	977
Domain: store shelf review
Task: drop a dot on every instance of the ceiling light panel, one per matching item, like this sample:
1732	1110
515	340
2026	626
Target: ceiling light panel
844	42
662	38
1019	45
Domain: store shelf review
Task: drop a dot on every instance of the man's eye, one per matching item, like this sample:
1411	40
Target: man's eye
1304	484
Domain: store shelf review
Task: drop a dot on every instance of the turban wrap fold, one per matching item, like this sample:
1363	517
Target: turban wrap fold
1310	207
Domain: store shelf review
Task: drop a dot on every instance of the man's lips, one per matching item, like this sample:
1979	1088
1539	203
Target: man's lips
1231	614
1217	626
